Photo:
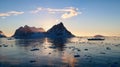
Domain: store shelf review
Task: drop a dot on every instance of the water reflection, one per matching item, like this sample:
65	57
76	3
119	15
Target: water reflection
59	43
69	59
29	42
59	52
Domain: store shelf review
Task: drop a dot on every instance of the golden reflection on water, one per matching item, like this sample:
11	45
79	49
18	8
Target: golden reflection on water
69	59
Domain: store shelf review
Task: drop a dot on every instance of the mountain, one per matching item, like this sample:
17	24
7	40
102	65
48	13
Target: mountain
98	36
2	34
59	31
29	32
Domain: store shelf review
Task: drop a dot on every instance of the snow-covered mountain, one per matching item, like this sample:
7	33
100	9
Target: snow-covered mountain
29	32
2	34
59	31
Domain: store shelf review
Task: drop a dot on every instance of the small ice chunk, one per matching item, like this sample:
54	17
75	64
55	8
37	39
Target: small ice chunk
77	55
32	61
34	49
108	48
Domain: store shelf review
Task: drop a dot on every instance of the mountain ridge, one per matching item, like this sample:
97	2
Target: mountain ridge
56	31
27	32
59	30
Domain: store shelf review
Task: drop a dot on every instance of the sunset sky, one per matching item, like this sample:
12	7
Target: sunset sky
81	17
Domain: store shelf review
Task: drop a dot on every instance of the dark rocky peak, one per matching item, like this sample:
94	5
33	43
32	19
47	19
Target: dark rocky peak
59	30
60	25
57	27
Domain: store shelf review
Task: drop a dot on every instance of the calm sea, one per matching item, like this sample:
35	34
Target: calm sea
74	52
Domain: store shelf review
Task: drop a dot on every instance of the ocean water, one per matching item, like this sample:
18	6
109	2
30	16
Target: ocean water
74	52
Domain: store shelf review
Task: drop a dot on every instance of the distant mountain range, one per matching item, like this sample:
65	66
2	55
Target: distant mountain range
57	31
2	34
29	32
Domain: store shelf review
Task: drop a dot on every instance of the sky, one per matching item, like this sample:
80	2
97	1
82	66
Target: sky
81	17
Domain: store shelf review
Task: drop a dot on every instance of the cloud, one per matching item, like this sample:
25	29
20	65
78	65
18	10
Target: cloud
67	12
37	10
70	12
11	13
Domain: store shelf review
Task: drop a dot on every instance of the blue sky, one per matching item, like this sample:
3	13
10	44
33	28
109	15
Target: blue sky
81	17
